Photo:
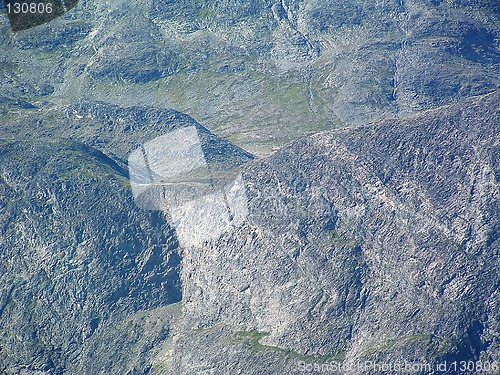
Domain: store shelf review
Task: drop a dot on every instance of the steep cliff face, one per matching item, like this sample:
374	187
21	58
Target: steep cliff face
86	276
77	255
379	243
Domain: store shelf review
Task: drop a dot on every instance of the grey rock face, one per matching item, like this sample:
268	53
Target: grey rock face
86	275
76	254
371	242
378	243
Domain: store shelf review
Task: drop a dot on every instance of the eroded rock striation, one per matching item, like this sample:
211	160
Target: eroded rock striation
371	244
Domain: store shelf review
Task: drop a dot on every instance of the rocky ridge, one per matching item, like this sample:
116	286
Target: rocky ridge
372	244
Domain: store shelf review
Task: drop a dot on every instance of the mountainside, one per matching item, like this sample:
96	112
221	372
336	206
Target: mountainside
77	255
86	275
259	73
335	201
376	244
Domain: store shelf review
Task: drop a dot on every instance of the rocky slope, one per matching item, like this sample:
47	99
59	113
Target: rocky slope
76	256
369	240
260	73
377	244
86	276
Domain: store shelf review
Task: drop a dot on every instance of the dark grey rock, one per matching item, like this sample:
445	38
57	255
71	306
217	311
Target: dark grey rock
378	243
76	253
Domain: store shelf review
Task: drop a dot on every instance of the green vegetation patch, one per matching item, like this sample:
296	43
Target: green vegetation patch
252	339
